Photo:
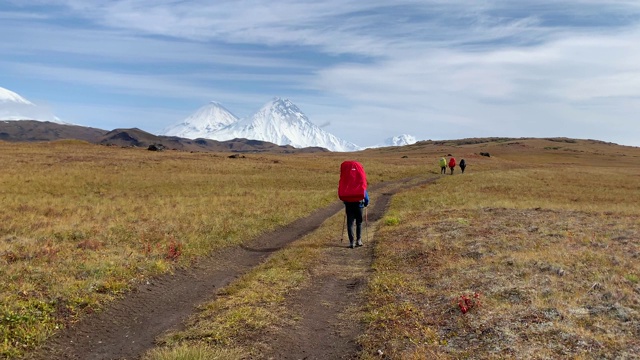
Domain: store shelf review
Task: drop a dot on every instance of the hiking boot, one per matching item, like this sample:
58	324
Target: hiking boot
359	243
351	245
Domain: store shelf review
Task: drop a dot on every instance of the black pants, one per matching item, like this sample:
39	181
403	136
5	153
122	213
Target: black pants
354	214
462	168
443	169
451	167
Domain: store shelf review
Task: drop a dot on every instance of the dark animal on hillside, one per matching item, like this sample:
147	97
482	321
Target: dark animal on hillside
155	147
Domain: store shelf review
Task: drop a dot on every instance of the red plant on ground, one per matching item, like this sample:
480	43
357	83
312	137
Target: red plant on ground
467	302
174	250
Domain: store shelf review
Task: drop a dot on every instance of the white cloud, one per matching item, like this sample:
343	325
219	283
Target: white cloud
430	68
131	84
539	90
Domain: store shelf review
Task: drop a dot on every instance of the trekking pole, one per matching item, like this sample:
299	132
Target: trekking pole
344	222
366	224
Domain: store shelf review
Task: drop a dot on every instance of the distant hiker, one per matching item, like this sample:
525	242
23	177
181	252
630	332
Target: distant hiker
443	166
462	165
352	190
452	164
353	211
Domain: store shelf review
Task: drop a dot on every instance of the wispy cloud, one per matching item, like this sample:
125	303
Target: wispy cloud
494	67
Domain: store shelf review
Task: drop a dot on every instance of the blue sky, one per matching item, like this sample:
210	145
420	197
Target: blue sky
363	70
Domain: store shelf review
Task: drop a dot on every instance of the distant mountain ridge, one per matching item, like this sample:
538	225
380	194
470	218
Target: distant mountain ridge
140	138
32	131
279	121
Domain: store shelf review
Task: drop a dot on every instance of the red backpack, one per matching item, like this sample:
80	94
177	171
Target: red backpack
353	181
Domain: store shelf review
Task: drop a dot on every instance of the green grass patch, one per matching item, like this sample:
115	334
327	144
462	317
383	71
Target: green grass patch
194	352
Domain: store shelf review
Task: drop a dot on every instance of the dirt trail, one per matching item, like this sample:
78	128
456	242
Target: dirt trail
327	329
129	326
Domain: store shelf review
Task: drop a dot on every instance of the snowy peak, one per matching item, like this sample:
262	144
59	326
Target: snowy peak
206	120
279	121
16	107
8	96
400	140
278	112
286	110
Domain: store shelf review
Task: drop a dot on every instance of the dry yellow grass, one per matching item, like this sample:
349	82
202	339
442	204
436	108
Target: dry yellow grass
551	250
80	223
255	303
541	229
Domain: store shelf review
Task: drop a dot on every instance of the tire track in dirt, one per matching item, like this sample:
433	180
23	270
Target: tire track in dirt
128	327
325	330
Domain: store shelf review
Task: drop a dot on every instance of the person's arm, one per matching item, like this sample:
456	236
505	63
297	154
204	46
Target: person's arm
366	198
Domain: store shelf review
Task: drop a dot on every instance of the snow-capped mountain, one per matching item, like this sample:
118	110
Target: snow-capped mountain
202	123
399	140
8	96
279	122
16	107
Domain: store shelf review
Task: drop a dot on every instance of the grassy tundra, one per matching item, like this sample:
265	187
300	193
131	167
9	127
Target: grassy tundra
80	223
545	232
549	241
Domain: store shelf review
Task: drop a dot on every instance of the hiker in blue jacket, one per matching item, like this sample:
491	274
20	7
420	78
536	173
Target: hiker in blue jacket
354	214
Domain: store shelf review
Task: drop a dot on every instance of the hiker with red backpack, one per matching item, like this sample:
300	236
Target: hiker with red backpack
452	164
352	190
353	212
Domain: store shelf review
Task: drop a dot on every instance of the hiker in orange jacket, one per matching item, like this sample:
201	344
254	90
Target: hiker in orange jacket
452	164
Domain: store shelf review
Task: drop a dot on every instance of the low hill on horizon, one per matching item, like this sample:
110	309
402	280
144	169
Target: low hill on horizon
33	130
